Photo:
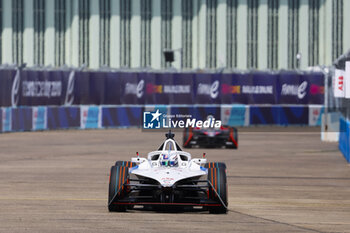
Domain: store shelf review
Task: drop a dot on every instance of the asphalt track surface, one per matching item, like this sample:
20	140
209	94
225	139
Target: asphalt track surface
278	182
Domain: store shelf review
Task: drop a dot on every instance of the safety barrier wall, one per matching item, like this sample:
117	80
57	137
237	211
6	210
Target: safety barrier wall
344	138
14	119
26	87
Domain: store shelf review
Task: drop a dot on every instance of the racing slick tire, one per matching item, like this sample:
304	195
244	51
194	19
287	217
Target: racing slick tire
217	177
215	164
117	178
125	163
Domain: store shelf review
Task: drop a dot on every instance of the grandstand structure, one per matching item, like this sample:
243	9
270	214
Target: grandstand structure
204	34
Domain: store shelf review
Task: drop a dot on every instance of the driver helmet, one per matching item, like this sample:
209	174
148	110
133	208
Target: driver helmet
164	159
173	161
169	161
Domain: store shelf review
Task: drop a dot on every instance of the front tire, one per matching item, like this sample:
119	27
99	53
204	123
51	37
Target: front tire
117	178
217	177
125	163
215	164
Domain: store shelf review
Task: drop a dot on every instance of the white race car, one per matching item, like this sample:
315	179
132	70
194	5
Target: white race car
168	177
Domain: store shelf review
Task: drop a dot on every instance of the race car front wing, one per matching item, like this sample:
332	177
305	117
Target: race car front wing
191	193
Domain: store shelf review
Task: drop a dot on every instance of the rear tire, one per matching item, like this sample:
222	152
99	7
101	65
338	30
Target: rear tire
217	177
118	176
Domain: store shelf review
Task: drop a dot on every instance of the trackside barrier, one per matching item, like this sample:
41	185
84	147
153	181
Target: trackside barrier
344	138
97	117
73	87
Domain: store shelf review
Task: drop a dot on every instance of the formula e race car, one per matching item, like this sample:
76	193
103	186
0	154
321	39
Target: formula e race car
168	178
211	137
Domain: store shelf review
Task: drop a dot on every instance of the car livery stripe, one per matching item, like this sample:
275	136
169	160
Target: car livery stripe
133	168
215	180
218	190
116	180
212	178
232	138
124	168
189	137
120	175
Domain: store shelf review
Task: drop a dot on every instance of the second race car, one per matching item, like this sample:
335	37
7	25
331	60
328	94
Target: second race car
225	136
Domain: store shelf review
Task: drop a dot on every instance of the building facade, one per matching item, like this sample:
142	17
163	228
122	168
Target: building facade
205	34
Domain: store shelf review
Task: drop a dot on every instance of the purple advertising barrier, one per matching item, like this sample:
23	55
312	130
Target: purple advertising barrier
263	90
181	88
292	88
72	87
207	88
301	88
97	88
231	88
112	88
132	88
249	88
40	88
81	88
168	88
157	88
316	88
34	87
150	90
8	91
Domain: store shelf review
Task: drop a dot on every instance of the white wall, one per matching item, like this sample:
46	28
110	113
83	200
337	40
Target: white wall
176	34
115	31
50	33
283	35
135	33
242	16
304	33
221	36
28	35
198	30
6	43
262	34
94	27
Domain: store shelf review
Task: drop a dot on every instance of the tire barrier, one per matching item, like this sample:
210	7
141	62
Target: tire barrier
96	117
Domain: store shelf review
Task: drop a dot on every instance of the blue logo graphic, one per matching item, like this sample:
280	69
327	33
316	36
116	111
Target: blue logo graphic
152	120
